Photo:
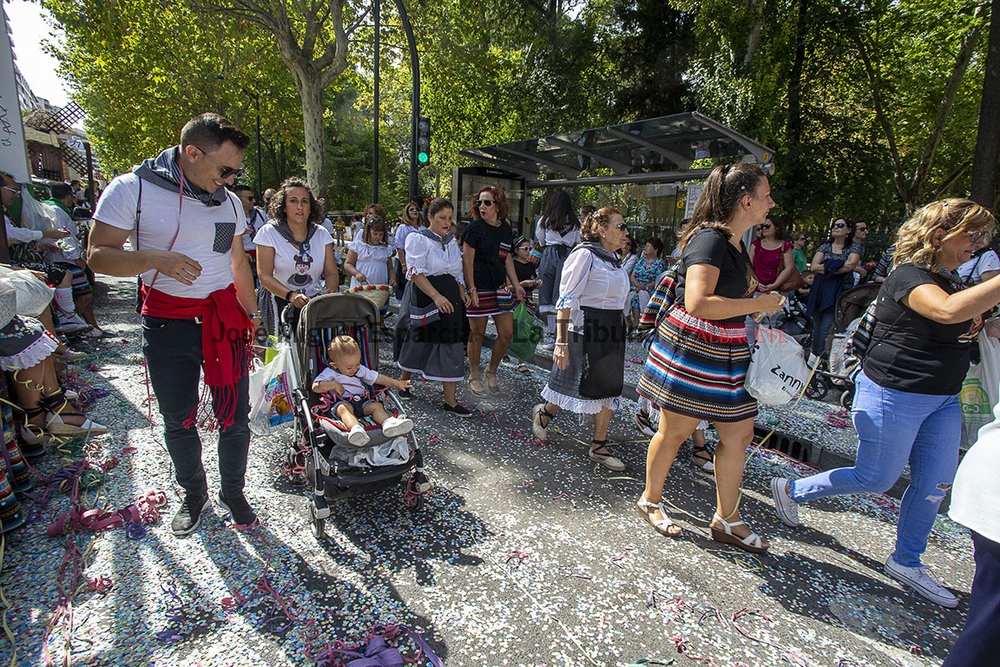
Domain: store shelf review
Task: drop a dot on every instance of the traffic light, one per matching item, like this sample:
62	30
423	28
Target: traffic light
423	147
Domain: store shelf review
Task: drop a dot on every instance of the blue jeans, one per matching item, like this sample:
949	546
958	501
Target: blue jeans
174	359
895	428
822	323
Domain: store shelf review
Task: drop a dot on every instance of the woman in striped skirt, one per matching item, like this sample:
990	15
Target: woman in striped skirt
489	266
699	358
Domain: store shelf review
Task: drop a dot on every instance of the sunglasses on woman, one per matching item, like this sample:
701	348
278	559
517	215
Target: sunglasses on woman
766	226
484	202
838	225
976	237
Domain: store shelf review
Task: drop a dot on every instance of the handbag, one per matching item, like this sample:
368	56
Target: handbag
793	282
778	370
527	333
659	304
505	298
271	393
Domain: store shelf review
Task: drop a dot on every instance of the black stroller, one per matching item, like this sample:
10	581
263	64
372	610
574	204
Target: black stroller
333	467
850	307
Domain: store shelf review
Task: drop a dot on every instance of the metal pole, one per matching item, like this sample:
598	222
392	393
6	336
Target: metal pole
415	72
378	25
91	190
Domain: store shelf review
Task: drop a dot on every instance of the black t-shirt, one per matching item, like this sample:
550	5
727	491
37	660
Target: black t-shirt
736	276
909	352
492	246
525	271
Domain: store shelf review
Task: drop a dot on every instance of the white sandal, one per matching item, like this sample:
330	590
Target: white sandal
663	525
751	542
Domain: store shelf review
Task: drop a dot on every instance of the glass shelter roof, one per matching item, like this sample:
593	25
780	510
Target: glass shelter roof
655	150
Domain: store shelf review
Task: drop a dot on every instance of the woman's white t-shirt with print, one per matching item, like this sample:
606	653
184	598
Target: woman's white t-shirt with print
300	274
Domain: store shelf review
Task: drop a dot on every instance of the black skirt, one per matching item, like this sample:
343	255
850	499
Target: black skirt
436	350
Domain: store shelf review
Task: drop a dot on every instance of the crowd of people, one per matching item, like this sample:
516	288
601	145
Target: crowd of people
223	262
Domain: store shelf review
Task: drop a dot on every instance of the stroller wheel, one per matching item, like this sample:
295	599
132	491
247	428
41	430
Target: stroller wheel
318	525
818	388
414	503
847	398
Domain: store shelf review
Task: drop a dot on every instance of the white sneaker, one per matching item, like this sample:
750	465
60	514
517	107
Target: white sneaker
548	347
786	508
69	323
920	580
394	426
357	436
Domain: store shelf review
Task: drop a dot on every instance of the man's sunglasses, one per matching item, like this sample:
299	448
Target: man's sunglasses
485	202
224	171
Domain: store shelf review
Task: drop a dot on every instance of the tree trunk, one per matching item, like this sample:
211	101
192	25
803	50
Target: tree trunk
927	156
753	41
984	168
311	94
793	129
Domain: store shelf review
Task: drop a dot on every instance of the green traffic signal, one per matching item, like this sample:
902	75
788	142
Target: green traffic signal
423	157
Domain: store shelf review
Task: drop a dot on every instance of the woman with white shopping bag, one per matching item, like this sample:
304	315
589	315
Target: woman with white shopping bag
698	360
906	407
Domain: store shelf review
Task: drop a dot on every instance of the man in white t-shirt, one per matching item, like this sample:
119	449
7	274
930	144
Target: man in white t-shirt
185	230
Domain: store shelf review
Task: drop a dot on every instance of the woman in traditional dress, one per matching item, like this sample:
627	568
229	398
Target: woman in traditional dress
557	232
432	325
409	222
699	358
589	357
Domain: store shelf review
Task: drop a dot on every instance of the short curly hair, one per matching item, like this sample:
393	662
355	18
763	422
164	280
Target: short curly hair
499	196
276	207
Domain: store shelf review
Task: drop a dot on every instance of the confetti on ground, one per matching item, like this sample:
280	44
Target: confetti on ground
524	553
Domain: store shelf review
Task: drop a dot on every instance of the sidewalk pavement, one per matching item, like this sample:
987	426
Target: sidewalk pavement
524	554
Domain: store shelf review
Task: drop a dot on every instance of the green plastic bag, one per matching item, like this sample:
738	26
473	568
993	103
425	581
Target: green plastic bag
527	333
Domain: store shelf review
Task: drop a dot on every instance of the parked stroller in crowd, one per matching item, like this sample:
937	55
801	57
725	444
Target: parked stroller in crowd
793	320
333	467
850	307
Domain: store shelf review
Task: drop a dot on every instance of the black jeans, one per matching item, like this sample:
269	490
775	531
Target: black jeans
174	358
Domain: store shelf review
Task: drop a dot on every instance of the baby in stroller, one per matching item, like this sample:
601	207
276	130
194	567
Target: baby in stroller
346	379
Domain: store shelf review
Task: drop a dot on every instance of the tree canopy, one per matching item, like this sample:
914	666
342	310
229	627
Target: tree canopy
871	106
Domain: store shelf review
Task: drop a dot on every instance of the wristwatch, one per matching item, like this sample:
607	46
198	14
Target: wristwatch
253	316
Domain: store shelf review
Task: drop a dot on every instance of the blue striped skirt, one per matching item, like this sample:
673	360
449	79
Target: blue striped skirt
697	368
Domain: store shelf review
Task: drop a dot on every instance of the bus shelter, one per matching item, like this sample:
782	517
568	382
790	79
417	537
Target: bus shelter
664	160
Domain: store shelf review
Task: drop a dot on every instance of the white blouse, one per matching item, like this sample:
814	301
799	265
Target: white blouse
547	237
426	256
591	282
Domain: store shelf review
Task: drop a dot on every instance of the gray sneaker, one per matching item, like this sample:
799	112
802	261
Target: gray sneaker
920	579
189	515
